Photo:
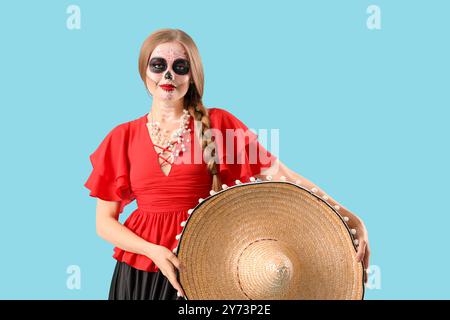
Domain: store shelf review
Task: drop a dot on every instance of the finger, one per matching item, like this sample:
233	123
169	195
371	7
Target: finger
176	262
366	258
173	280
172	277
361	250
366	263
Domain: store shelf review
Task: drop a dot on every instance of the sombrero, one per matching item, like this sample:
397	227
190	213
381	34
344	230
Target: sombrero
268	240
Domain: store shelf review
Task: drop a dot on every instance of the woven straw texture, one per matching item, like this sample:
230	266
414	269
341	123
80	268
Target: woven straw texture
268	240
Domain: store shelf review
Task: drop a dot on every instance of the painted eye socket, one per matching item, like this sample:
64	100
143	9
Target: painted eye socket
157	65
181	66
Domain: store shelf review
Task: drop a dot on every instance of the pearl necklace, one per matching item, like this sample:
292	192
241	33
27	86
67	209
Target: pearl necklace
176	142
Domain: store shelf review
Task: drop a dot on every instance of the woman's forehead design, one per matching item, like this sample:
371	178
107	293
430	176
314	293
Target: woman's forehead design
169	53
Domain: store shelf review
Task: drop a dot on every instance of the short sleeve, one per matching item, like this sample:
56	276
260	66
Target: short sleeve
109	179
245	157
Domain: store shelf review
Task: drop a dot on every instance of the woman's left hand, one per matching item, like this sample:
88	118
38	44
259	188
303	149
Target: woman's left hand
363	252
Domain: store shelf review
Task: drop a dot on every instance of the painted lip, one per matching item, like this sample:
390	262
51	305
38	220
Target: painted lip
167	87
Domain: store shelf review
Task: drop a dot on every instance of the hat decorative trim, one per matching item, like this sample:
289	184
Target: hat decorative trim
269	178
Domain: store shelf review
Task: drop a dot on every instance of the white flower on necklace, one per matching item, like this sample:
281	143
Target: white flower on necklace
175	144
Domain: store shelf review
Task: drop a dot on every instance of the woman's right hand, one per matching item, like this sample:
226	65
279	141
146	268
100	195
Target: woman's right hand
167	261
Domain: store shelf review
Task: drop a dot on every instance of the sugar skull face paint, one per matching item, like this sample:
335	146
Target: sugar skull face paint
168	71
179	66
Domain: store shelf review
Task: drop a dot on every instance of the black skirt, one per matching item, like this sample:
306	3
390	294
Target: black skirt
129	283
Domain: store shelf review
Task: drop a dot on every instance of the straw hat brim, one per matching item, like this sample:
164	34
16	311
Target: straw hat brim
268	240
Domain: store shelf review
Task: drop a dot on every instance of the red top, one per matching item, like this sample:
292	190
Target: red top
126	167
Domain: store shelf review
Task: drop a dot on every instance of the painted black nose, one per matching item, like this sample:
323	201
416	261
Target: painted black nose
168	75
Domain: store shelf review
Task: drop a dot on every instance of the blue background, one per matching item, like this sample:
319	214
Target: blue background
362	113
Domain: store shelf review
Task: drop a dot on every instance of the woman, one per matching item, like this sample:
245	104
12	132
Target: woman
154	160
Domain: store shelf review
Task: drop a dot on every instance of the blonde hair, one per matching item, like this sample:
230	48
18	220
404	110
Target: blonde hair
193	98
